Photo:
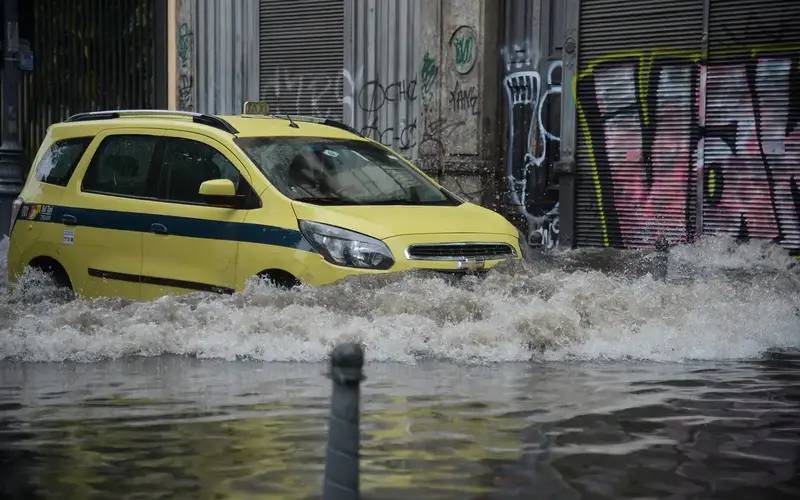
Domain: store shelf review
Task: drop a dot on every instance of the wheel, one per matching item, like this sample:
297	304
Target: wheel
279	278
52	268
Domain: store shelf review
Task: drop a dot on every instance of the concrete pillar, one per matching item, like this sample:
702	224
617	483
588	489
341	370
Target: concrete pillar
565	168
464	129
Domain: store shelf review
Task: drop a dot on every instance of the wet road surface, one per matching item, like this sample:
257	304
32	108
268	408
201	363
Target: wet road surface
576	376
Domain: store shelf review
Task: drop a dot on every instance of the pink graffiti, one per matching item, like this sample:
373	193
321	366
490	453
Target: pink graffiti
723	133
759	166
646	209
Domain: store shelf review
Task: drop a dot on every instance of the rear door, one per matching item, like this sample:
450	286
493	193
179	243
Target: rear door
106	214
191	245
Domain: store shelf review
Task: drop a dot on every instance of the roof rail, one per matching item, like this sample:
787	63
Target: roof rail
323	121
204	119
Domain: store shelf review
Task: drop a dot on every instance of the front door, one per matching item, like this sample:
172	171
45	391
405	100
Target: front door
191	245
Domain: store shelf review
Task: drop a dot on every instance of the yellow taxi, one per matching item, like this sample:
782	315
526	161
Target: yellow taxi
139	204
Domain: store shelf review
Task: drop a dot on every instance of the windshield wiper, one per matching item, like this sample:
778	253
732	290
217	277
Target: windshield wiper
327	200
405	201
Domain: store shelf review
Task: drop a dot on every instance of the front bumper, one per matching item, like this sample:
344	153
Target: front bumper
321	272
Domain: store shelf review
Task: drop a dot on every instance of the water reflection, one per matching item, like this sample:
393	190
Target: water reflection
179	427
522	382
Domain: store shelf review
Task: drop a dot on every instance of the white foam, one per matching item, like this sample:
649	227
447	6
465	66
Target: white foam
539	312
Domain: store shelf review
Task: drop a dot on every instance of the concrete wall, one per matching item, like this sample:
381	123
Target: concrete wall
420	77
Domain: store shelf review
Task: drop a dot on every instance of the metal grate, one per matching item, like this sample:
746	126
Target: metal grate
95	54
751	182
302	56
636	94
460	251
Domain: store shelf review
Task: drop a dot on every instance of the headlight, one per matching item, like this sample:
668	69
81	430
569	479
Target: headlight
347	248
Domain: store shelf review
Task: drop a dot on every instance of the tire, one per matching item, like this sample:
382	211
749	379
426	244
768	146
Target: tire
279	278
55	270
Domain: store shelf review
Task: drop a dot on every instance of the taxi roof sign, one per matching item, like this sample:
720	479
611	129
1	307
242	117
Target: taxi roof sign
256	108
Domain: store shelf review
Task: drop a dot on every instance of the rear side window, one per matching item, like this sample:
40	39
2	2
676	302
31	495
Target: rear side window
122	166
58	163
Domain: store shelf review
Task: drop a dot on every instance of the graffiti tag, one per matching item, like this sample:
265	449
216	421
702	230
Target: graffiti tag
463	43
403	138
428	73
463	99
373	95
185	78
532	147
316	94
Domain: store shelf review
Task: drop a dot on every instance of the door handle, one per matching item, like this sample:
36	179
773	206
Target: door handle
158	228
69	220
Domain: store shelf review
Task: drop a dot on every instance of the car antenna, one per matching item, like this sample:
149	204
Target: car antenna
291	122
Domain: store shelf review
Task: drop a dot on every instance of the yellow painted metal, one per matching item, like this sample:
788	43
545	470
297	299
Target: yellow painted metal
385	221
218	187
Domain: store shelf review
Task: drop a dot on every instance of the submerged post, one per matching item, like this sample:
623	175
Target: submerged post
341	456
662	258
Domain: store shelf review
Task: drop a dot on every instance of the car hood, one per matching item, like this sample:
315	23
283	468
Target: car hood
386	221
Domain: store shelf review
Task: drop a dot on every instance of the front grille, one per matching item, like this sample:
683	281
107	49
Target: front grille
460	251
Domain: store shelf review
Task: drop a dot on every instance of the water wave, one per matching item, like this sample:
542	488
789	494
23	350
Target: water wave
723	300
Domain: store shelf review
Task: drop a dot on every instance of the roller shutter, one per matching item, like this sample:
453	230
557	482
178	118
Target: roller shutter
751	182
636	93
302	56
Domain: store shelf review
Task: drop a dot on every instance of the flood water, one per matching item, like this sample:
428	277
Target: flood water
578	375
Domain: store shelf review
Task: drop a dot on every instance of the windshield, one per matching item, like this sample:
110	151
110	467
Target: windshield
340	172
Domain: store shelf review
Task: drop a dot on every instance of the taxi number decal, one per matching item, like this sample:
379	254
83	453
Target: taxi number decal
69	237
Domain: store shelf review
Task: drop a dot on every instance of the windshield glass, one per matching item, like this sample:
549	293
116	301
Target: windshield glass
340	172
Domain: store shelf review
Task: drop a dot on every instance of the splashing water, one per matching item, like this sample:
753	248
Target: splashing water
723	301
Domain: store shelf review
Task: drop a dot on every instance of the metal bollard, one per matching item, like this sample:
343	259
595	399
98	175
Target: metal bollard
662	259
341	456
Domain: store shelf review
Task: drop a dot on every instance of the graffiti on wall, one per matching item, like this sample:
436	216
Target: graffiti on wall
423	135
377	103
374	95
662	126
533	99
304	93
185	78
374	99
425	113
463	43
463	99
428	73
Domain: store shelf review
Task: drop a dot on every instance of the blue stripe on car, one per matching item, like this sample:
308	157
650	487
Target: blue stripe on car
177	226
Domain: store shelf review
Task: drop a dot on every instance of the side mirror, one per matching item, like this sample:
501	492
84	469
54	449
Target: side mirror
220	192
218	187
